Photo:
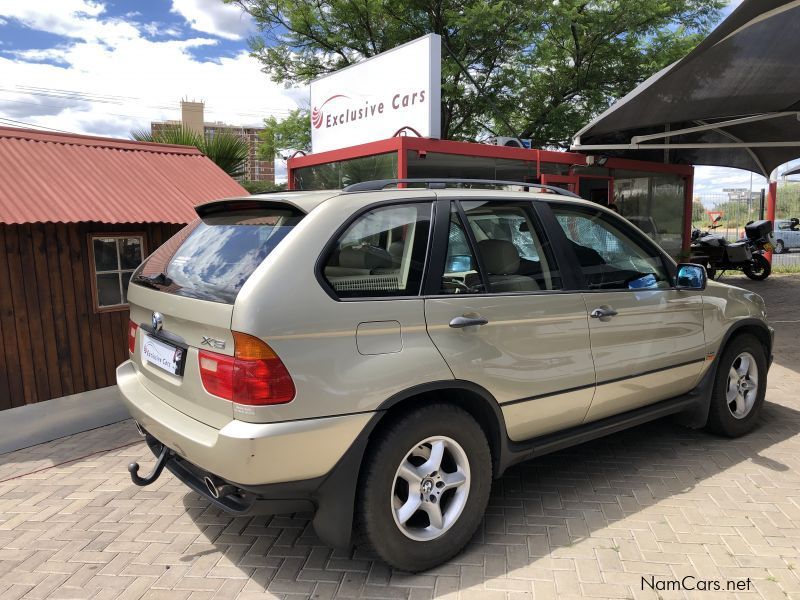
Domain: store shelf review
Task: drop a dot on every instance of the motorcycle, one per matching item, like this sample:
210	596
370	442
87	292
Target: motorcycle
718	255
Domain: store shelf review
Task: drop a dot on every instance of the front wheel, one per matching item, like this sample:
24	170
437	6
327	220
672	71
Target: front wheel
758	269
424	487
739	387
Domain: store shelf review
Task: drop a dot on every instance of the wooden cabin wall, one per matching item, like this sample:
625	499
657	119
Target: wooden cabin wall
52	340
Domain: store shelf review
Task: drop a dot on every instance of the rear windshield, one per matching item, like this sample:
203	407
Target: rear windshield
212	257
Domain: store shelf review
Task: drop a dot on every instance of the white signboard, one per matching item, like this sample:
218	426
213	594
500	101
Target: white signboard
373	99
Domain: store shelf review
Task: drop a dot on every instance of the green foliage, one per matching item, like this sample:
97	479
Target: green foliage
547	65
262	187
291	133
698	211
226	150
788	201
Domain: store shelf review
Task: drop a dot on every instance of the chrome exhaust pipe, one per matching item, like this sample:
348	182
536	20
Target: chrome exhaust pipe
217	488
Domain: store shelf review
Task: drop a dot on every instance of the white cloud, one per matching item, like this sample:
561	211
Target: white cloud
154	28
214	17
78	19
125	79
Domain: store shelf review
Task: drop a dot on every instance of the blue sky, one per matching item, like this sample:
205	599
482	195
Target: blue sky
106	67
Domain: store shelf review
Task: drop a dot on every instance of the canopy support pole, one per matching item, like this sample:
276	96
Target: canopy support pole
772	201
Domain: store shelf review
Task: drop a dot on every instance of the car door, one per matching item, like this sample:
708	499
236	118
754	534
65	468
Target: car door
647	337
502	318
792	236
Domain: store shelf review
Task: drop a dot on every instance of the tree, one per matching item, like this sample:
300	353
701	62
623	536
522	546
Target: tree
543	66
291	133
591	53
227	151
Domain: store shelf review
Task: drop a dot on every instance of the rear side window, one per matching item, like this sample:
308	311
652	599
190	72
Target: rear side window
213	257
382	253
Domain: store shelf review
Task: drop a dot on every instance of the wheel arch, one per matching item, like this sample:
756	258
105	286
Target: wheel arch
472	398
754	327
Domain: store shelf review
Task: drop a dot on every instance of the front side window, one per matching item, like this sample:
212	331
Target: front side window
382	253
114	258
609	253
512	250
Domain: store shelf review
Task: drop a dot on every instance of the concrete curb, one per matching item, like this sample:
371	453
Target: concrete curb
33	424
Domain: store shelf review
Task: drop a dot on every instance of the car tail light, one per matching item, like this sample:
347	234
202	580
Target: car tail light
254	375
132	327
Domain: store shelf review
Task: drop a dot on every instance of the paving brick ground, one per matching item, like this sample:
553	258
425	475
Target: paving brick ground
659	501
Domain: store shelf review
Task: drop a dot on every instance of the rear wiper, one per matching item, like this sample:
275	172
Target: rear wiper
152	282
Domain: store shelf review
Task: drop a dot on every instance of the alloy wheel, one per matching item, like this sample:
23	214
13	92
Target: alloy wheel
742	388
431	487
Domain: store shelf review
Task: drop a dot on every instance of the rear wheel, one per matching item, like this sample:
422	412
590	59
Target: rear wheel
779	247
739	387
424	487
759	269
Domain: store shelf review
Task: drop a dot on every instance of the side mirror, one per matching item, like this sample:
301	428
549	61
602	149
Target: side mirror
691	277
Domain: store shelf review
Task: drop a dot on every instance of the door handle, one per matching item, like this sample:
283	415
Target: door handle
461	322
603	312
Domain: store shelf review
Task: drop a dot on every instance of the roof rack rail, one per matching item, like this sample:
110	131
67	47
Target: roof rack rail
440	184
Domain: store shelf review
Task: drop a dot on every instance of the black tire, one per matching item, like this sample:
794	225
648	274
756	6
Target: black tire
759	269
711	272
721	419
779	247
375	518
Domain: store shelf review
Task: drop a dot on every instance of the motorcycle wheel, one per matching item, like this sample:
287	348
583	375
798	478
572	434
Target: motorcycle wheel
759	269
711	272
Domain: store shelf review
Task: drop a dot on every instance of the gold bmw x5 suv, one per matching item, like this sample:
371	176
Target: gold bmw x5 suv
379	354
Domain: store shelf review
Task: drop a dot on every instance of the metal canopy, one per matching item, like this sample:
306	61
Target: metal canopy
733	101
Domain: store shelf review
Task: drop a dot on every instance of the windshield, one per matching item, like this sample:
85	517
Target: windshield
213	257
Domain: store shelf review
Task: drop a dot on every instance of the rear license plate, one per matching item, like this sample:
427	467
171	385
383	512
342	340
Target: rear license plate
769	247
162	355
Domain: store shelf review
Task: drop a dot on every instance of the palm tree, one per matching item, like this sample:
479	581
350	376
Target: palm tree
228	151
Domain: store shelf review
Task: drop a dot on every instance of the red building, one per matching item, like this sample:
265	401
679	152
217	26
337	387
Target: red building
656	197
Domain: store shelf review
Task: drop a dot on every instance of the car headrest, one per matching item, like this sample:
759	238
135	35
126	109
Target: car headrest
365	257
500	257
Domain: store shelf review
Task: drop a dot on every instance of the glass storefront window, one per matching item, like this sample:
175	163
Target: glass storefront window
336	175
654	203
436	164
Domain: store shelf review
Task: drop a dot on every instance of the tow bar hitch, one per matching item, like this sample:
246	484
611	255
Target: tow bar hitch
133	469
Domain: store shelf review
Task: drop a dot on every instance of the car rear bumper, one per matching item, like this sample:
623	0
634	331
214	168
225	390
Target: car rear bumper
245	454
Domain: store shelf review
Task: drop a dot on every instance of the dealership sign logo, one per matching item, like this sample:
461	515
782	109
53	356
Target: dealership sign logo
317	116
344	112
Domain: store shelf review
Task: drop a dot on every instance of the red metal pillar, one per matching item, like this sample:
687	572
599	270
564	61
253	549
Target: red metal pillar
402	161
772	201
289	177
688	198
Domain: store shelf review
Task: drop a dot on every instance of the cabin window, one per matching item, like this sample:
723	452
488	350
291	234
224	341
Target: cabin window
113	260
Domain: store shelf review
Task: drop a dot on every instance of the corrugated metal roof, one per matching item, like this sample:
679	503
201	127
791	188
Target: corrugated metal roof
55	177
